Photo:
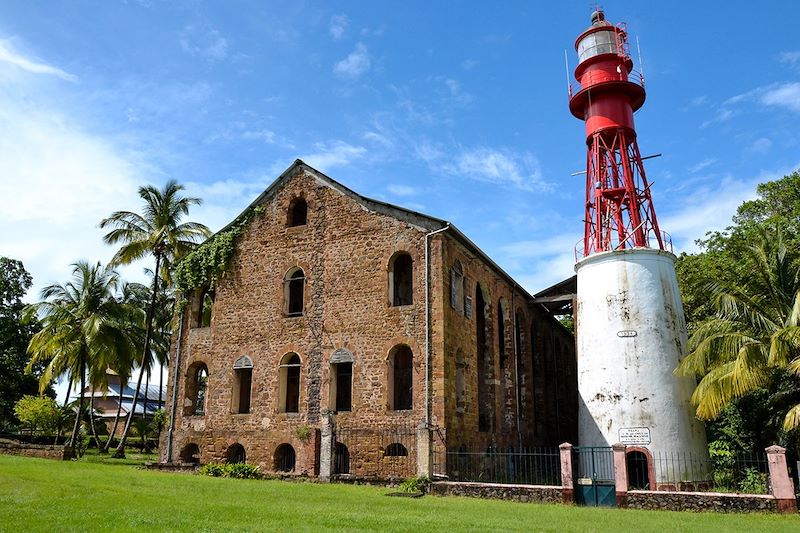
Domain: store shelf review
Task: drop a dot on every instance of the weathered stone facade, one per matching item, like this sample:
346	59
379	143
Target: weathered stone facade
357	314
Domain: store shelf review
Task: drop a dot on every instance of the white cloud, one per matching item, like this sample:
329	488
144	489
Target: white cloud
401	190
334	153
498	166
338	26
791	58
760	146
457	93
786	95
63	181
722	115
355	64
208	43
469	64
12	57
266	136
705	163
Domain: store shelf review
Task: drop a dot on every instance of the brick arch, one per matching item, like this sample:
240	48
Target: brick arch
651	472
278	282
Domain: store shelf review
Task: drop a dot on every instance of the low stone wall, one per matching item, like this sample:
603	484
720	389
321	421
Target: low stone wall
172	467
499	491
60	453
700	501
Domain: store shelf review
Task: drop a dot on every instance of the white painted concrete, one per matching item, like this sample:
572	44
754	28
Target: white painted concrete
631	333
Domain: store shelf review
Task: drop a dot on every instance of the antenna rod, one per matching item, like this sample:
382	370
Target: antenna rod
566	71
641	65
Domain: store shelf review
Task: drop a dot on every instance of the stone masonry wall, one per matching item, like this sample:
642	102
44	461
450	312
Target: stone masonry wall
344	251
35	450
700	501
520	493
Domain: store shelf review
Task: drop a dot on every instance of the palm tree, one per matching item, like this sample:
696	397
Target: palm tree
159	232
84	330
756	329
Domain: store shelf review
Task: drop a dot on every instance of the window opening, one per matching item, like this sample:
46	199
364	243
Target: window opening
401	380
395	450
284	458
457	286
298	212
342	384
201	379
242	382
401	279
341	464
290	383
235	454
294	284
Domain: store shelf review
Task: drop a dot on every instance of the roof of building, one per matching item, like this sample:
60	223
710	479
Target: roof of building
421	220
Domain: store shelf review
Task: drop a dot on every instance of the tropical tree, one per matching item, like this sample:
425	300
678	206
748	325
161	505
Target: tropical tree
159	232
85	329
755	330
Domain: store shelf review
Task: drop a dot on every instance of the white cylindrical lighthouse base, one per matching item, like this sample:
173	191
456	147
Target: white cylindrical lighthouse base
631	333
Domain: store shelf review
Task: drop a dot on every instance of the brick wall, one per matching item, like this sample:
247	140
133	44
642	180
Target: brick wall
36	450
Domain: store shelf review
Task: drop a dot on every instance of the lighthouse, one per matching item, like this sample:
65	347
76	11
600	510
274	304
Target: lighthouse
631	330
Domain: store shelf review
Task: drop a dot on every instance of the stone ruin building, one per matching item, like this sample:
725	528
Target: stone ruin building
352	337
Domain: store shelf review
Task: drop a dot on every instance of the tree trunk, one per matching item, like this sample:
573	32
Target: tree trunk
66	401
116	418
72	440
91	422
120	452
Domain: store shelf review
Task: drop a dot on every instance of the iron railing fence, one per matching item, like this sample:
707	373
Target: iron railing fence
527	466
385	453
746	473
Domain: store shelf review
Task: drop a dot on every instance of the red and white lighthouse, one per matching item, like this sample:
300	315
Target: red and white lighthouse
631	330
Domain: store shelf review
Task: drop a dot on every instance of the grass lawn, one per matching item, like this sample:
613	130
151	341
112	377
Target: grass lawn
44	495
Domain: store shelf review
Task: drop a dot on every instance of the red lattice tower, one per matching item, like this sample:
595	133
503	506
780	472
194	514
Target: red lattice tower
619	210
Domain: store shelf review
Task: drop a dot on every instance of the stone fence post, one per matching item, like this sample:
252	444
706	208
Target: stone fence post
326	448
567	487
424	450
620	474
782	485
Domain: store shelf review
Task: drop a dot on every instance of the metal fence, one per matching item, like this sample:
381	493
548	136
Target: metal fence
528	466
742	473
384	453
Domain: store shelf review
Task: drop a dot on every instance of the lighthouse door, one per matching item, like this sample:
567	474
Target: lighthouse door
594	485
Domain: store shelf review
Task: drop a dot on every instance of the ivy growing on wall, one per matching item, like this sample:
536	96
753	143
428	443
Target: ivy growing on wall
208	262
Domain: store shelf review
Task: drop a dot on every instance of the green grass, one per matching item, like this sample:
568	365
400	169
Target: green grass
43	495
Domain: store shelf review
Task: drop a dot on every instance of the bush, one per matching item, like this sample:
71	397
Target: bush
37	412
235	470
415	484
754	482
213	469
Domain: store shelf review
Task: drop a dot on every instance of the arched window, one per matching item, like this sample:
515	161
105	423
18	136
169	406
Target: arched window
400	279
242	381
293	286
401	378
235	454
341	460
298	213
195	389
457	287
290	383
467	297
206	308
284	458
190	454
395	450
638	470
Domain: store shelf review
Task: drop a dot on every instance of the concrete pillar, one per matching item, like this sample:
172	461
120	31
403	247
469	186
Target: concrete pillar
424	451
782	485
620	474
326	447
567	486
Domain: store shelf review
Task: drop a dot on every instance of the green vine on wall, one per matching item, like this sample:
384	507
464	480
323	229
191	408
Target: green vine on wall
207	263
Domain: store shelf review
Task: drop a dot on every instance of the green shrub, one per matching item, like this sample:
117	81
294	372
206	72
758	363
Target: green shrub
236	470
415	484
303	433
213	469
754	482
242	471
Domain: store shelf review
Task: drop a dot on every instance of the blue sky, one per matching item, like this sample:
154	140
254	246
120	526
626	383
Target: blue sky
456	109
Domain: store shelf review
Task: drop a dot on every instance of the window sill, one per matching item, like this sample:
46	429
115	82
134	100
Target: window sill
293	315
400	307
241	414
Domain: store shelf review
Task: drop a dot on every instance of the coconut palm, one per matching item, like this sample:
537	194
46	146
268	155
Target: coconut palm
85	329
160	232
756	329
